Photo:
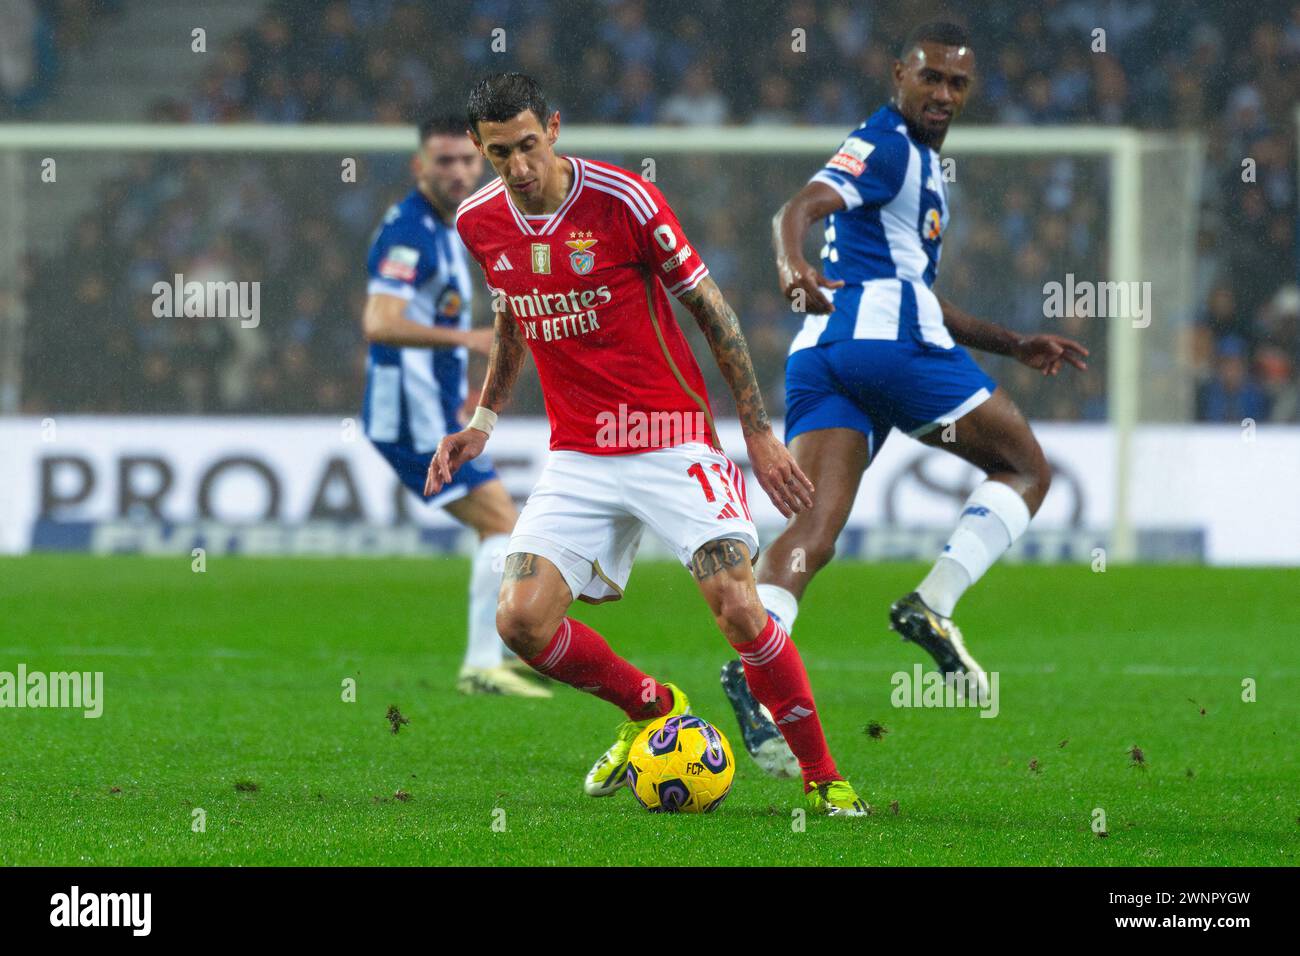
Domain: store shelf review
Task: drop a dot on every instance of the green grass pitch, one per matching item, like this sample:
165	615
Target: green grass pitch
223	691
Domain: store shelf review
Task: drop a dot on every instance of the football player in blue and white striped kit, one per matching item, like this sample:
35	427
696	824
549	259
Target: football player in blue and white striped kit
879	350
417	320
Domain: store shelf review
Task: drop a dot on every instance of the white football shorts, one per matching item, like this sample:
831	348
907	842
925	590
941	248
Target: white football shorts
587	512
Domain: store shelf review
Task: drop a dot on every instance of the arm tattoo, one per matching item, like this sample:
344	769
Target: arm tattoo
519	565
716	556
504	363
721	327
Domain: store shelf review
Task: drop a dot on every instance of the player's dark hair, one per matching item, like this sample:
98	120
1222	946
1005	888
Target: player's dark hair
936	31
445	125
502	96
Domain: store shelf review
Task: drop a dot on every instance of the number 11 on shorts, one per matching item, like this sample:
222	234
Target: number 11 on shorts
697	472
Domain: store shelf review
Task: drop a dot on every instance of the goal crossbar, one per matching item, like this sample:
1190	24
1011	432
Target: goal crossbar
277	138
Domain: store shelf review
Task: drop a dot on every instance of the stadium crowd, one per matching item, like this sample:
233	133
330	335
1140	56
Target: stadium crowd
1231	73
36	36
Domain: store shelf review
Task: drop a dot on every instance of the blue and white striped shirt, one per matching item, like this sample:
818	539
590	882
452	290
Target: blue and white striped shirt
413	394
885	244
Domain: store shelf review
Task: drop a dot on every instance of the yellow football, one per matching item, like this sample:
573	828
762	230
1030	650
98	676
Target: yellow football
681	764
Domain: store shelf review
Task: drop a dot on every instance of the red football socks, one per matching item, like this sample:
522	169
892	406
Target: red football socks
581	658
775	673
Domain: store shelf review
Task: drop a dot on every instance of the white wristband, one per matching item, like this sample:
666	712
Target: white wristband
484	420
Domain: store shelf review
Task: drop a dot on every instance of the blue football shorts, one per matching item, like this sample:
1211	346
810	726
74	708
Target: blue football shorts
412	467
874	385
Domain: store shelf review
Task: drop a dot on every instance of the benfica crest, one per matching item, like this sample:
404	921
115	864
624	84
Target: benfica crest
582	259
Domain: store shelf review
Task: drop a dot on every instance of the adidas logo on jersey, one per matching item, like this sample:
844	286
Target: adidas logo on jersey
502	264
728	512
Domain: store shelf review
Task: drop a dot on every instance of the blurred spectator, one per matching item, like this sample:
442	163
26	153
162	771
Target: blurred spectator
1230	396
834	105
634	101
627	33
697	102
28	57
1223	317
1276	372
774	103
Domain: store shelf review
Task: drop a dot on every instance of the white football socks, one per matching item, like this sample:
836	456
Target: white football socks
485	646
993	517
780	603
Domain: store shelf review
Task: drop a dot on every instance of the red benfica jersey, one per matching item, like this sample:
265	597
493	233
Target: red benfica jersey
586	286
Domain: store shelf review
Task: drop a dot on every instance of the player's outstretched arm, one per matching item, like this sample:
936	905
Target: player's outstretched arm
1045	352
774	467
801	282
505	360
384	321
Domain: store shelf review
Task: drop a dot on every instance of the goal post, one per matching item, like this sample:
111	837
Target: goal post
1153	182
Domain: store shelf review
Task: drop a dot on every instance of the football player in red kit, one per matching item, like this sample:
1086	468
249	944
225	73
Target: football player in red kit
580	258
